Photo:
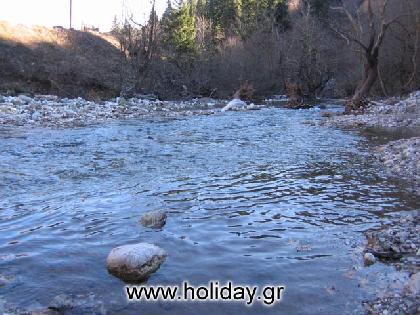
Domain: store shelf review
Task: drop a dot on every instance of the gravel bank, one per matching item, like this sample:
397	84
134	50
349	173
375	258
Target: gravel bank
51	111
388	114
402	159
397	243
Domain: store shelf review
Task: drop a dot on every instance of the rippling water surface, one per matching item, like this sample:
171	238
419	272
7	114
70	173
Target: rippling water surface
253	197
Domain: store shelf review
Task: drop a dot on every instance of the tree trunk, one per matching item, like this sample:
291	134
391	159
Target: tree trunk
294	93
357	102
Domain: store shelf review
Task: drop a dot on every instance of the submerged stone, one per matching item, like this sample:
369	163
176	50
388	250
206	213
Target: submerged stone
76	304
153	219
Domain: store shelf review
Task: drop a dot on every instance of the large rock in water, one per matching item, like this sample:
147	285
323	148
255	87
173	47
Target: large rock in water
135	263
235	104
153	219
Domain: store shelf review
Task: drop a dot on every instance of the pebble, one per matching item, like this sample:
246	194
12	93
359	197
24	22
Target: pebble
369	259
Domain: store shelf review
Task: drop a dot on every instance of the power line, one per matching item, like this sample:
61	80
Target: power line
71	14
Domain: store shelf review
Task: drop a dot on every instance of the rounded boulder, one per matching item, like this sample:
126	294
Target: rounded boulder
136	262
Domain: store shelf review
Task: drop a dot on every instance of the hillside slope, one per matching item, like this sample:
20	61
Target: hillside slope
58	61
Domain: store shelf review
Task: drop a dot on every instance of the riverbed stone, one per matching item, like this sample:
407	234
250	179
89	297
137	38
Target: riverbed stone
25	99
369	259
153	219
135	262
254	107
413	285
235	104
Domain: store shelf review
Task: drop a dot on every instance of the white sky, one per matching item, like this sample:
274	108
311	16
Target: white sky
99	13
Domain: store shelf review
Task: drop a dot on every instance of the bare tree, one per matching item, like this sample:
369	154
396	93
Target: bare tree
309	60
416	15
138	43
367	29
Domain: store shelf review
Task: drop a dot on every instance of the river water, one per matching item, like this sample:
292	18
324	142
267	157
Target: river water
253	197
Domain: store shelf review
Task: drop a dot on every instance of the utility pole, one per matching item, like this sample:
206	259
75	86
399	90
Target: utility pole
71	13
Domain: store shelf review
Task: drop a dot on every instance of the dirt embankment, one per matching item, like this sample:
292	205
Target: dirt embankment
63	62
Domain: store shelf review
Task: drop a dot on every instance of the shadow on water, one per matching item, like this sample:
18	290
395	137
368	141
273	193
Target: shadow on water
256	198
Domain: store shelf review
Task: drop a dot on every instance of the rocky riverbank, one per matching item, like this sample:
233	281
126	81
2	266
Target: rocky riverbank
402	159
399	116
52	111
397	243
389	114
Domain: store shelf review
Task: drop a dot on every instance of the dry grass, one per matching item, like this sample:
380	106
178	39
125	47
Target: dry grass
64	62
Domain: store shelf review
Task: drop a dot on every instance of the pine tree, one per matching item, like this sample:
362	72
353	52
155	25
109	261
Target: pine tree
115	28
179	27
253	13
222	13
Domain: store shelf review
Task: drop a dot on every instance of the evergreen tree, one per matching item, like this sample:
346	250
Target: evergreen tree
222	13
115	28
179	27
253	13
